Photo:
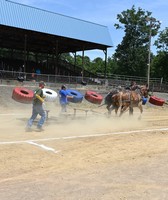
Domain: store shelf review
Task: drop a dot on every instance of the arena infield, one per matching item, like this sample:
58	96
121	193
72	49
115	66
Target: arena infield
86	158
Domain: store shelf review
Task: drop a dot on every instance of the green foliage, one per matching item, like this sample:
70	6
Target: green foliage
132	54
162	42
67	57
160	65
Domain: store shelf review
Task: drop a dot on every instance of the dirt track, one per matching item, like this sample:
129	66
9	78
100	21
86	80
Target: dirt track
96	158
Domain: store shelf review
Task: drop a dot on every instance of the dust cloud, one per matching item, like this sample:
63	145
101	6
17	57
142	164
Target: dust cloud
93	125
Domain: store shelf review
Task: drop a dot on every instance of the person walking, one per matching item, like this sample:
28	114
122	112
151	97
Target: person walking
64	95
38	104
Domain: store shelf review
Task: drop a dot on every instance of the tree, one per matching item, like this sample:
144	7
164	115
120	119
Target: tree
160	62
162	42
112	67
160	66
97	66
132	54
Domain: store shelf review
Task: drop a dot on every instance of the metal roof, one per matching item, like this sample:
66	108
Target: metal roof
33	19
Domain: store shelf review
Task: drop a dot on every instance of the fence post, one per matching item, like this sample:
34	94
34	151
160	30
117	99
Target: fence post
48	78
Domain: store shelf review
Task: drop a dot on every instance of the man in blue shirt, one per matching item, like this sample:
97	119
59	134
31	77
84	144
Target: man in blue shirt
64	95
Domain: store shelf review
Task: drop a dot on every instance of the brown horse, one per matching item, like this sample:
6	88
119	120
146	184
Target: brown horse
127	99
111	101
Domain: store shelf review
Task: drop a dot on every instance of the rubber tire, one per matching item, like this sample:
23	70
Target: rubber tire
156	101
23	95
93	97
50	95
77	96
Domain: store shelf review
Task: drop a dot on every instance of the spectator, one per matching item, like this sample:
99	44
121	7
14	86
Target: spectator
64	95
38	71
20	77
33	74
37	108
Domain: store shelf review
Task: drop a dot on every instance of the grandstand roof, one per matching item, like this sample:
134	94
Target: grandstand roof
46	31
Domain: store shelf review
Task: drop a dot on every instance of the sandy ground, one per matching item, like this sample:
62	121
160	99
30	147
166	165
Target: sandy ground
83	158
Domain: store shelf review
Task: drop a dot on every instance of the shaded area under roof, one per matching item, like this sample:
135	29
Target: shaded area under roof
47	32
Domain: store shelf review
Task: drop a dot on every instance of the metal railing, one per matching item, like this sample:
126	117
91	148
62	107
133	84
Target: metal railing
156	84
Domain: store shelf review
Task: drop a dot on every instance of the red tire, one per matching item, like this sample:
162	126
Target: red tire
22	95
93	97
156	101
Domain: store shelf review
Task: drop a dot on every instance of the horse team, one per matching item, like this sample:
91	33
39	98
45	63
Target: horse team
127	99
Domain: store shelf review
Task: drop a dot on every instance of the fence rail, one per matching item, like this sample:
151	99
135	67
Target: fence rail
156	84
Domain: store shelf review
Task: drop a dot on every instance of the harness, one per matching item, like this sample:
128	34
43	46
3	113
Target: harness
110	98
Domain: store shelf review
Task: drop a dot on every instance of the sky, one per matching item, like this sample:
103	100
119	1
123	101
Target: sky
103	12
